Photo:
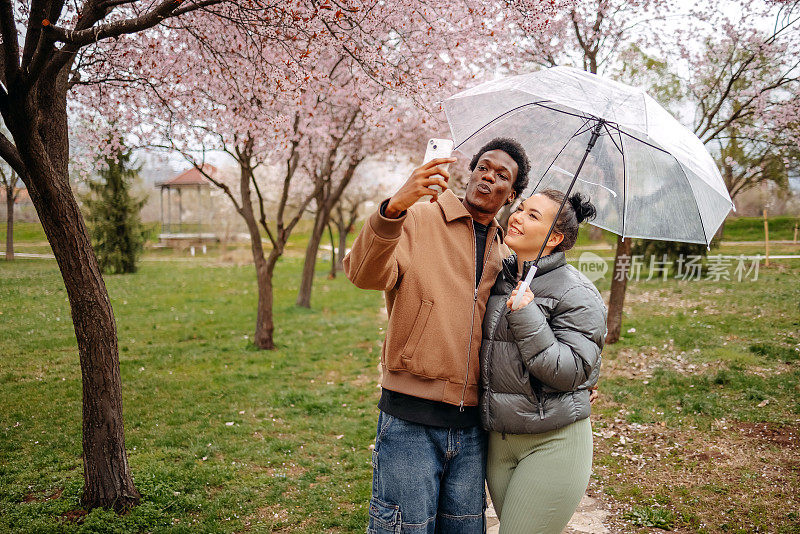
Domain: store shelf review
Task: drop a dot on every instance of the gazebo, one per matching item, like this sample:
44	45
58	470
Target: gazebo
193	185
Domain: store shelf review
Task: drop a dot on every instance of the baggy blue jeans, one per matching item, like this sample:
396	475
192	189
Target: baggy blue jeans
427	479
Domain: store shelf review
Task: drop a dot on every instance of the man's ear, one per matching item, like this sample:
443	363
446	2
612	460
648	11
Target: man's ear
511	197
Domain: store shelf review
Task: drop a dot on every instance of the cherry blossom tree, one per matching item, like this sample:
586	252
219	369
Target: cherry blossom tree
315	105
731	74
47	48
586	34
41	40
744	85
258	131
356	129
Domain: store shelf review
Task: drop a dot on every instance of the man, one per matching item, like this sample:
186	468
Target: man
436	262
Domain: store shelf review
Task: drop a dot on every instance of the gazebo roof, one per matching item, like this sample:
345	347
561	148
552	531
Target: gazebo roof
192	177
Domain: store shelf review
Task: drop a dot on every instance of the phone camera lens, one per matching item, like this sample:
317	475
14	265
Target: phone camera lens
435	147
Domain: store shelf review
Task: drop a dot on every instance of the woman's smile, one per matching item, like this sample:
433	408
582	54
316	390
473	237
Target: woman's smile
513	230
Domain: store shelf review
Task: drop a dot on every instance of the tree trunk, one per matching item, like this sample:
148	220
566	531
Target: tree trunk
9	223
310	263
326	199
332	273
44	149
265	327
619	283
344	230
721	230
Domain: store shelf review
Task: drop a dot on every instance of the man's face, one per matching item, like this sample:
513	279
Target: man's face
491	183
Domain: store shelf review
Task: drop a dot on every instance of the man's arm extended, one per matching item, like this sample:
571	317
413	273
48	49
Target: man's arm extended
384	244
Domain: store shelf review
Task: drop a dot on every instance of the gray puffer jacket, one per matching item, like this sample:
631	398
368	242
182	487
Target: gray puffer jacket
538	362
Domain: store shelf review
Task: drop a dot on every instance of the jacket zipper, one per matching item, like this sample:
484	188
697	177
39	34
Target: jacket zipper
474	303
539	402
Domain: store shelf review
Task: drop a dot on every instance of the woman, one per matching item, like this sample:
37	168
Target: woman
538	364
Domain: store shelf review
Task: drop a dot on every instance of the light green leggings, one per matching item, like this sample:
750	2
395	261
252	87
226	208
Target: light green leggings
536	481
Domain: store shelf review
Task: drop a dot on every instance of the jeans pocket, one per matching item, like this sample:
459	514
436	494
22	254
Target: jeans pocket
383	518
384	422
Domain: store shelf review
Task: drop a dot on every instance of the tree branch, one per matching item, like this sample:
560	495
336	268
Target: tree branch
40	11
9	153
8	30
166	9
75	39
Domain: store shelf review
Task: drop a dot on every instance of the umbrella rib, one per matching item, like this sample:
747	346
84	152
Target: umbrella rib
624	187
624	176
586	121
611	136
651	145
585	129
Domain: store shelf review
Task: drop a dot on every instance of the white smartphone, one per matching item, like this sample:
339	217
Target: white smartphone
438	148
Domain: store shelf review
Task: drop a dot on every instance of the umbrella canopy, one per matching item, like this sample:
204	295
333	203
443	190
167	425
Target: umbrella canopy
647	175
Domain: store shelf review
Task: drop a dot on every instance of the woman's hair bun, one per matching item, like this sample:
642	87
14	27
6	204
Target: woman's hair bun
584	209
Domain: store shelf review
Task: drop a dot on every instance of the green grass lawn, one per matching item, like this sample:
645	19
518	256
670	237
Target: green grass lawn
296	454
30	238
24	232
697	428
752	228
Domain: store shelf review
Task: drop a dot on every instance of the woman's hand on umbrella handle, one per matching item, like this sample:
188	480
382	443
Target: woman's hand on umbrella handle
527	298
594	393
419	185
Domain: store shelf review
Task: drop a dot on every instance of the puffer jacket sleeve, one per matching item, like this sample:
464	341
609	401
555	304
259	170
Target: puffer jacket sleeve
563	354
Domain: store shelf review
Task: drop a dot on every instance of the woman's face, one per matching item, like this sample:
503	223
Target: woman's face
528	226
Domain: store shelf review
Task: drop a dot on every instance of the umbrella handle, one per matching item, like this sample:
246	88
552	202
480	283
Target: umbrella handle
525	285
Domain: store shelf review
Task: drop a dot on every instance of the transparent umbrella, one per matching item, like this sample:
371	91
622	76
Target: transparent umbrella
646	174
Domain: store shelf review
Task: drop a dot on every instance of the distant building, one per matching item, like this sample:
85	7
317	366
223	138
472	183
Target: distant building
187	206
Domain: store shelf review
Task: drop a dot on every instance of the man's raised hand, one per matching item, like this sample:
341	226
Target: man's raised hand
419	185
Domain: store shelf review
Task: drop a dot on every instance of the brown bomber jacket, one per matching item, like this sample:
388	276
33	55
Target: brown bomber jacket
425	263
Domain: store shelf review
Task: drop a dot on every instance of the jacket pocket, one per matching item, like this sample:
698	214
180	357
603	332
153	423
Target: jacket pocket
416	332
